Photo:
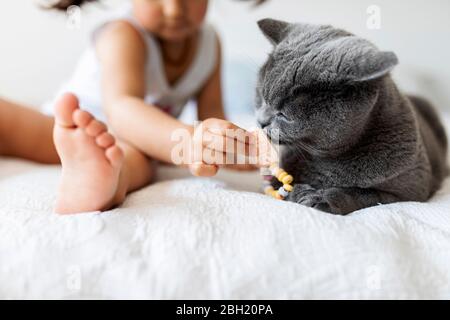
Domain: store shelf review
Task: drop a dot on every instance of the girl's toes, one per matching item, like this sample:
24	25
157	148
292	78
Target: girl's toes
64	109
114	155
95	128
82	118
105	140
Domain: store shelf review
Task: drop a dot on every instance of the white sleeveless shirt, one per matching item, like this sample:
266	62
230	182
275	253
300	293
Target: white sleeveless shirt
86	80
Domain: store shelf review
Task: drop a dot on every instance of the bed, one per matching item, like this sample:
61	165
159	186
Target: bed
215	238
192	238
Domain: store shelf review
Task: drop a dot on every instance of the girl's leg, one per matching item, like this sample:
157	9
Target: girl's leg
137	171
97	171
26	133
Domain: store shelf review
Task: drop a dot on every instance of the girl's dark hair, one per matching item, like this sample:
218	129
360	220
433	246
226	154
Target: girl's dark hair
64	4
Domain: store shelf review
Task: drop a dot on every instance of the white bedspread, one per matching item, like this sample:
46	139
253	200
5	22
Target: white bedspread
191	238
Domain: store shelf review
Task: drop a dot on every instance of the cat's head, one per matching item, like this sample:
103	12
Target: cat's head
319	84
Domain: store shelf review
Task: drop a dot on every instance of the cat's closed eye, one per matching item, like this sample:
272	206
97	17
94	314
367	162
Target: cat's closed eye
280	115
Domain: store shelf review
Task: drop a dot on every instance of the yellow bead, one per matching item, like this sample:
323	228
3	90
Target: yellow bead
279	172
287	179
269	191
288	187
273	166
278	196
282	175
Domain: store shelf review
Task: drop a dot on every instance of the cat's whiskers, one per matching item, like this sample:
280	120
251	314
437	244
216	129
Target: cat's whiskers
310	149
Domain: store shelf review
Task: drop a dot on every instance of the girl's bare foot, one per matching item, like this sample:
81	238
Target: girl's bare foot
91	160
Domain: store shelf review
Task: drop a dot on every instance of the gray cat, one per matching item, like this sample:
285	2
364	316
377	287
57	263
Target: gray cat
349	137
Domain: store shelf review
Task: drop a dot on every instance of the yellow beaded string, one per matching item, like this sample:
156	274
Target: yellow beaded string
282	176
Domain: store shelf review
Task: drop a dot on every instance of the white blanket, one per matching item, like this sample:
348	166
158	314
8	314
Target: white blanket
191	238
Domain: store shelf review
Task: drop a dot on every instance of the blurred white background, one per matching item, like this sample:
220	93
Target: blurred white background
38	51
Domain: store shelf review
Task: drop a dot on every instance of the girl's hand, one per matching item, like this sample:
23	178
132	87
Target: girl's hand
219	143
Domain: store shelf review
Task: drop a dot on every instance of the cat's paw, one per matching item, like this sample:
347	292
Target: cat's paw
306	195
328	200
338	202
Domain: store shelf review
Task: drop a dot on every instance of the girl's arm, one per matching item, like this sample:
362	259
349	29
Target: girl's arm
122	55
209	100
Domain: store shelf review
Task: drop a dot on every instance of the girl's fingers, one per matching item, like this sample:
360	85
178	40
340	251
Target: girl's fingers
242	167
243	146
239	135
219	124
243	154
225	128
220	142
203	170
215	157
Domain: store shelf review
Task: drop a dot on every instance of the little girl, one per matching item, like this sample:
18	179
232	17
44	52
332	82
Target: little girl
144	64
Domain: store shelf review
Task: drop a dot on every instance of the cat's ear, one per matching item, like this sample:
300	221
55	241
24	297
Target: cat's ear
274	30
374	65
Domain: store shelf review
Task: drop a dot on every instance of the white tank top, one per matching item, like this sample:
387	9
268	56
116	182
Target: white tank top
86	80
